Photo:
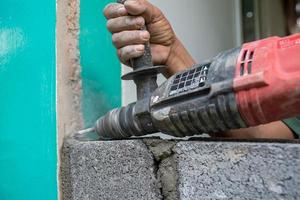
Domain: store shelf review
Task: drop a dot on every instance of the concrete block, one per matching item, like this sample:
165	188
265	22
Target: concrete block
108	170
228	170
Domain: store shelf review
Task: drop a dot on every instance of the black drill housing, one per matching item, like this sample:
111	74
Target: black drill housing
195	101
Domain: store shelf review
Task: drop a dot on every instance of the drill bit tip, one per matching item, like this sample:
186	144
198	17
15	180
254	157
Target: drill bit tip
85	131
88	134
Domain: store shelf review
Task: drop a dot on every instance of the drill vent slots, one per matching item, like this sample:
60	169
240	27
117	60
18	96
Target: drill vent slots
189	80
246	62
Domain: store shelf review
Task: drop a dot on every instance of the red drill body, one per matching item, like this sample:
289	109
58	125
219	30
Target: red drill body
267	80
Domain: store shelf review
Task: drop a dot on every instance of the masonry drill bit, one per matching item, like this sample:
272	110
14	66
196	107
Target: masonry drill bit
88	134
85	131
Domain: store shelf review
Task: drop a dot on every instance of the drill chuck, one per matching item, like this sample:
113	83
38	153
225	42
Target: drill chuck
122	123
109	127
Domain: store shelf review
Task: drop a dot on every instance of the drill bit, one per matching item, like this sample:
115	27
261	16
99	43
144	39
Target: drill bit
88	134
85	131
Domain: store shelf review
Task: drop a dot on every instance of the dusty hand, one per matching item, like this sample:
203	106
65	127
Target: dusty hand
274	130
125	22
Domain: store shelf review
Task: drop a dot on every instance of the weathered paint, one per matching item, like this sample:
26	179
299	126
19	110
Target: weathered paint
27	100
100	66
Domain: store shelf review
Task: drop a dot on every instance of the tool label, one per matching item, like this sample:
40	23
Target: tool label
190	80
289	42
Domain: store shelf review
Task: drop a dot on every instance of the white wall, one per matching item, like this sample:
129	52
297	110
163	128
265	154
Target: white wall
206	27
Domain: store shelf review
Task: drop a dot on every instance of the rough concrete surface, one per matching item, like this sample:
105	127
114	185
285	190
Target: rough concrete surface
227	170
180	170
108	170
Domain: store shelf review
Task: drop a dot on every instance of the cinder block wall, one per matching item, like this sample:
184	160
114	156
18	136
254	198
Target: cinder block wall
184	170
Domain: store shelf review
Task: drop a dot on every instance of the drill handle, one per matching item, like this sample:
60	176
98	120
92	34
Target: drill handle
144	60
144	73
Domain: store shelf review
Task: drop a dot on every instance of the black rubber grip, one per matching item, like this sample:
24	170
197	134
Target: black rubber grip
146	59
144	73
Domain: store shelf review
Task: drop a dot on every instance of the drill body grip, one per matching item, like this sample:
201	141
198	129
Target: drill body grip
199	100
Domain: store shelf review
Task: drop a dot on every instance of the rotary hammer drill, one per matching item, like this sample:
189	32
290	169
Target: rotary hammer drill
243	87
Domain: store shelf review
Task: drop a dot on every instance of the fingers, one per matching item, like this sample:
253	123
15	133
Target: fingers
125	23
126	38
128	52
114	10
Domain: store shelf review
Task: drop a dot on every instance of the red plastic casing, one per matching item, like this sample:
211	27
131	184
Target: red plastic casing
267	80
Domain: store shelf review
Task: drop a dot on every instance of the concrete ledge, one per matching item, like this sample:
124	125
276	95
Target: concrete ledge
108	170
184	170
215	170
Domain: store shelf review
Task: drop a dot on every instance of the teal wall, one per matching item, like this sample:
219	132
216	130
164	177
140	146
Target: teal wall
27	100
100	66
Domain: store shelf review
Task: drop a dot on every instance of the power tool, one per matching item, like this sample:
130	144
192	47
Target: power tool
243	87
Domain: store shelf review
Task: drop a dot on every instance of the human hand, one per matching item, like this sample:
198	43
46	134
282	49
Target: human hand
274	130
125	23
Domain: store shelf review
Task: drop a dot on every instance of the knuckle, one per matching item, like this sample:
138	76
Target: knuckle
109	25
128	52
113	10
125	52
107	10
131	36
113	25
128	20
115	38
135	22
119	53
139	2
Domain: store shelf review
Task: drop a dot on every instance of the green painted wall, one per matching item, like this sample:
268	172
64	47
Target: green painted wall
27	100
100	66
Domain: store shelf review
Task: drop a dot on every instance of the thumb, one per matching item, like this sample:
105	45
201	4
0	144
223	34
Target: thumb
143	8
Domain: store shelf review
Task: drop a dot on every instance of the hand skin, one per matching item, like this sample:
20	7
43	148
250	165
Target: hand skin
125	22
274	130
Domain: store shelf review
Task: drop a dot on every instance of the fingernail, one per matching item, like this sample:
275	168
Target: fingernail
140	48
145	35
140	21
122	11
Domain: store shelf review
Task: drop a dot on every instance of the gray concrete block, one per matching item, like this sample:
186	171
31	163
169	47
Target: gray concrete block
108	170
227	170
